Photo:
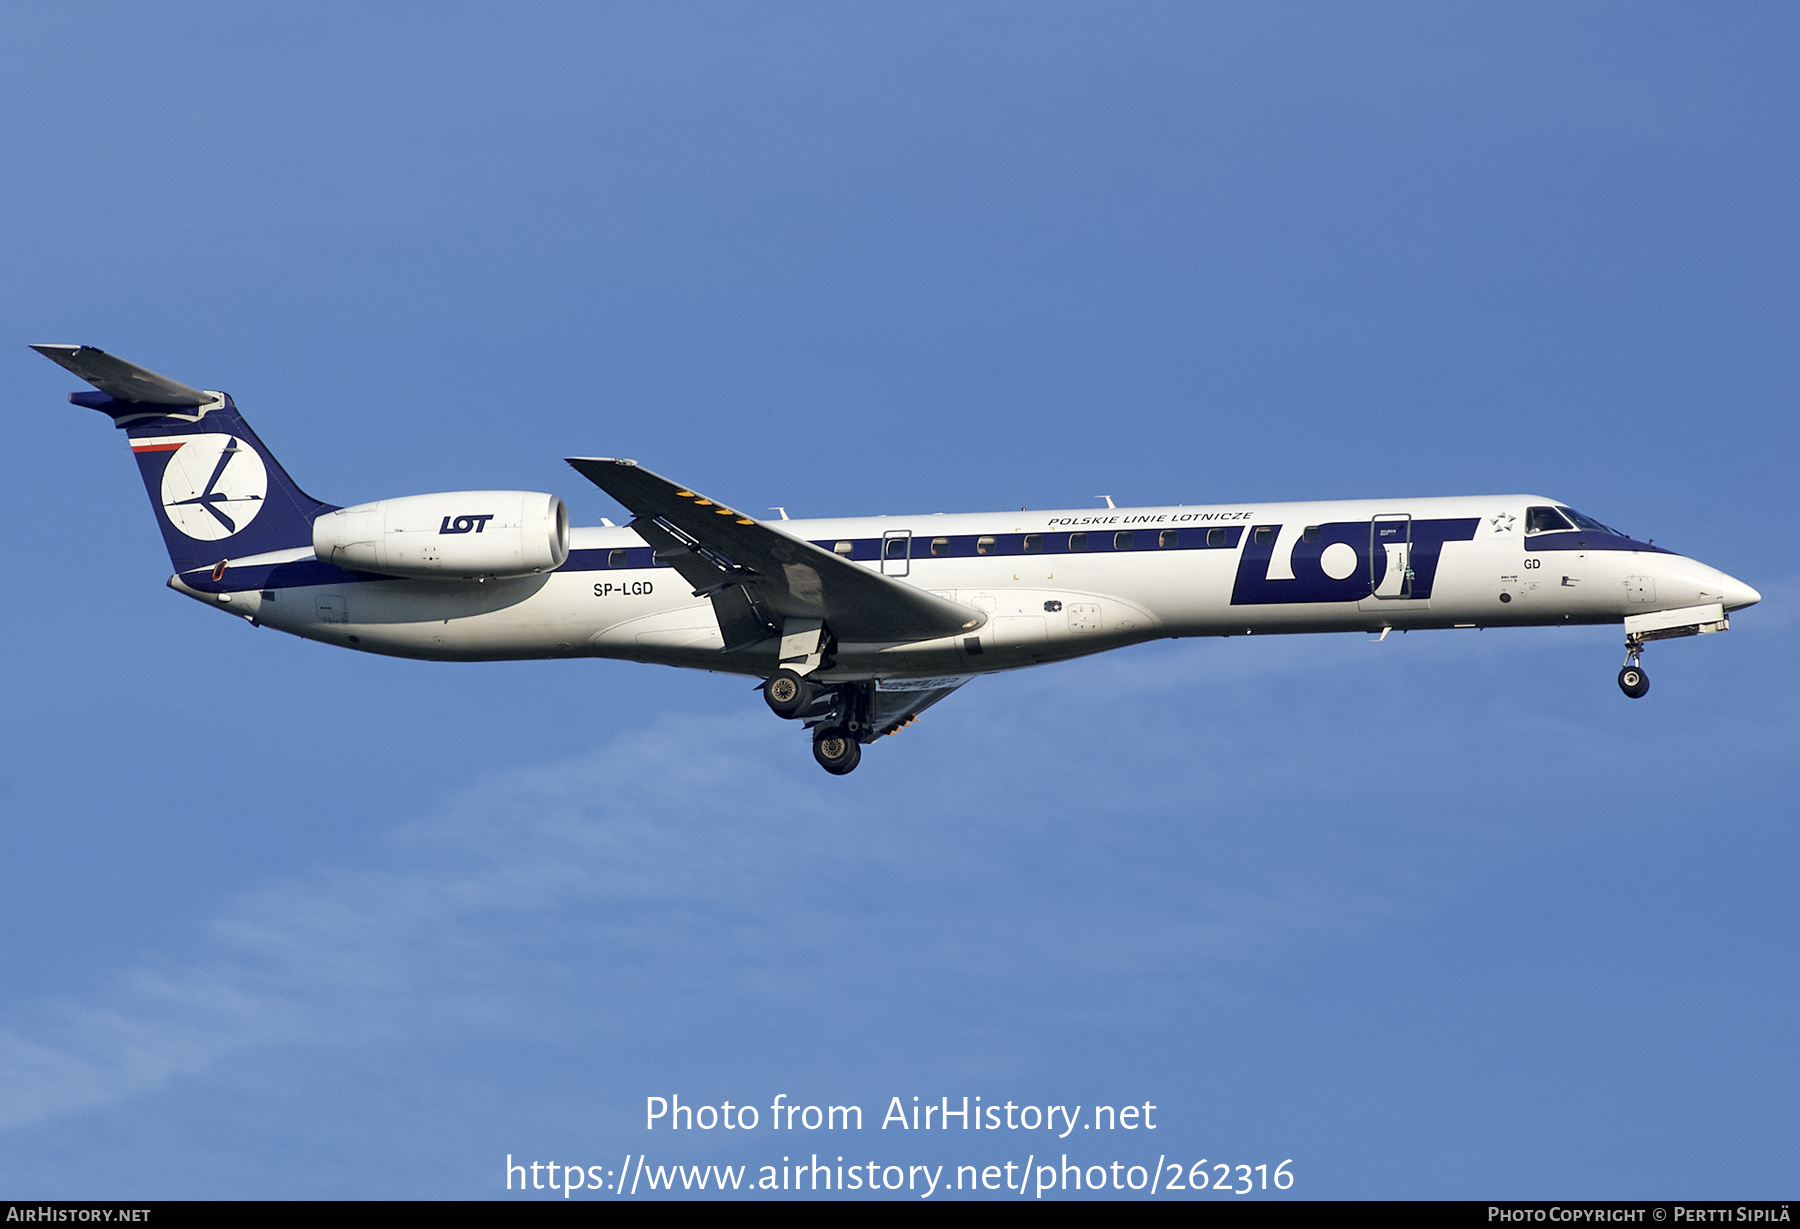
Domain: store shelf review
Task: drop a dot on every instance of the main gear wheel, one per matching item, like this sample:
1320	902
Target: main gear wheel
836	749
787	693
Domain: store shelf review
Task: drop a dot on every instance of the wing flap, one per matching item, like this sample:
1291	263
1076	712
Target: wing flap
716	548
741	622
898	702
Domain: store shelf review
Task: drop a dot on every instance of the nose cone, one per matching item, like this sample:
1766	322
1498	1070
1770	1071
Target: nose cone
1682	581
1738	594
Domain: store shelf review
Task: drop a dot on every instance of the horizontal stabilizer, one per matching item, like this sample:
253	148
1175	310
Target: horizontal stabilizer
121	380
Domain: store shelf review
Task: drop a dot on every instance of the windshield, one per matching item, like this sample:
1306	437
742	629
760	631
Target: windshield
1545	520
1588	522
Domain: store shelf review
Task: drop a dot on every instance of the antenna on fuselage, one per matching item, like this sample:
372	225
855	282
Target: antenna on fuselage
1108	499
783	511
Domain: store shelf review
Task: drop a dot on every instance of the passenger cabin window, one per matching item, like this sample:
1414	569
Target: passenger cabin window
895	548
618	558
940	546
1169	538
1545	520
1218	537
1265	534
984	546
1034	543
846	549
1310	533
1122	541
1078	541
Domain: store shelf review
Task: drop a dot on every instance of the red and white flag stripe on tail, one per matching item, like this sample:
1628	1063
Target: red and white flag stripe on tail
166	443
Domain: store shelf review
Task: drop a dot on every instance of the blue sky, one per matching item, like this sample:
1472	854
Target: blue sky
1441	916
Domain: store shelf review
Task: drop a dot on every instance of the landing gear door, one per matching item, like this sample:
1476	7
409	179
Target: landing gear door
1390	556
896	552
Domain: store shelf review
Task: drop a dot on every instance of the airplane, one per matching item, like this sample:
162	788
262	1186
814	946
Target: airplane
854	626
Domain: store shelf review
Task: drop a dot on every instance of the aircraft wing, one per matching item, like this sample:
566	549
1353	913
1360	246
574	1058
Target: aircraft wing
121	380
757	577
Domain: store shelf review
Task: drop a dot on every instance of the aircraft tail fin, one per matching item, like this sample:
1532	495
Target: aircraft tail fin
217	490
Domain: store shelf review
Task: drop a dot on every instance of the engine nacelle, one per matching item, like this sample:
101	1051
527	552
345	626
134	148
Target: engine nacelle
458	535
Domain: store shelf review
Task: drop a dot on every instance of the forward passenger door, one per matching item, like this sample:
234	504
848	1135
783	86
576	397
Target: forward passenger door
1390	556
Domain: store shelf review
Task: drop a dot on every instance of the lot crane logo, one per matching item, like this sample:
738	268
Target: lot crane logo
213	485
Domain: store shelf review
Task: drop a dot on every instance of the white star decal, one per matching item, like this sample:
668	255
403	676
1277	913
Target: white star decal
1502	523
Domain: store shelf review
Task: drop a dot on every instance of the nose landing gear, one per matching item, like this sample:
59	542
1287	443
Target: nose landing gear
1633	680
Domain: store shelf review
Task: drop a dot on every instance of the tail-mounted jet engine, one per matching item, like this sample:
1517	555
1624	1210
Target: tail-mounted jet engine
458	535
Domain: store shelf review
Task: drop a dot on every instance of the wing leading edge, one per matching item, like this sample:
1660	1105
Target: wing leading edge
758	578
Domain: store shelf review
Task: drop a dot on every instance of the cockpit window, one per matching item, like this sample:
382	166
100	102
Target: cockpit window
1588	522
1545	520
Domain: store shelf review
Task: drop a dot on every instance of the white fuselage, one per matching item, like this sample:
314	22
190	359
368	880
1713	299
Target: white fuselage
1350	565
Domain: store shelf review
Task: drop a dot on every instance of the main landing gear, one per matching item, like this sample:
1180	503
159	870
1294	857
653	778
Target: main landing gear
838	715
1633	680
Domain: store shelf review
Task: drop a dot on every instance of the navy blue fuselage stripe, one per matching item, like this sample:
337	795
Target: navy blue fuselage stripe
968	546
955	546
598	560
1310	584
303	574
1587	539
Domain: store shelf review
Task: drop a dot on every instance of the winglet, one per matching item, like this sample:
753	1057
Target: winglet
121	380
